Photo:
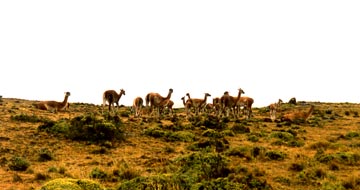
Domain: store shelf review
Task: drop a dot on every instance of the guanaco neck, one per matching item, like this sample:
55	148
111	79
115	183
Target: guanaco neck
120	94
183	99
169	95
65	100
204	101
188	95
239	96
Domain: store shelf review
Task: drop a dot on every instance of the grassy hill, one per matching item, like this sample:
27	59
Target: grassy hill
83	148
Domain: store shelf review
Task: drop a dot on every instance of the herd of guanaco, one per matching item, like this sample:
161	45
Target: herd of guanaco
156	103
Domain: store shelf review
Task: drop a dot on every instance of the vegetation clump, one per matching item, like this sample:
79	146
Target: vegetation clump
86	128
28	118
18	164
45	155
170	136
240	128
73	184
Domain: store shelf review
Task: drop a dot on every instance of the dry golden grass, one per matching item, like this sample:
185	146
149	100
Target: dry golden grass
327	132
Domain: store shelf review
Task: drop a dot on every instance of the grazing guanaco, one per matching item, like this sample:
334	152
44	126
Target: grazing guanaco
53	106
274	108
230	102
197	103
112	97
298	115
187	105
169	106
217	105
157	101
137	106
246	103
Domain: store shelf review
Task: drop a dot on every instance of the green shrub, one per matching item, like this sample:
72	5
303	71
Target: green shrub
242	152
209	122
86	128
18	164
150	182
155	132
97	173
52	169
205	166
324	158
219	183
297	167
347	158
126	173
275	155
342	157
228	132
212	133
351	135
72	184
89	128
253	138
202	144
283	180
183	136
282	135
27	118
60	127
295	143
45	155
240	128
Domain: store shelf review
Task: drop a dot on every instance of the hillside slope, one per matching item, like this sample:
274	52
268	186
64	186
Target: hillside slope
205	151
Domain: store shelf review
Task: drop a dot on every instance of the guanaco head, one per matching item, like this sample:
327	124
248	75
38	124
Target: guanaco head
207	94
226	93
67	93
241	91
171	90
122	91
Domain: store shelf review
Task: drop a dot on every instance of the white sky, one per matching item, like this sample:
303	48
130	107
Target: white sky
307	49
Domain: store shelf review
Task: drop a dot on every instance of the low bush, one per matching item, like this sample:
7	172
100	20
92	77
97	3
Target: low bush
87	128
27	118
73	184
45	155
18	164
